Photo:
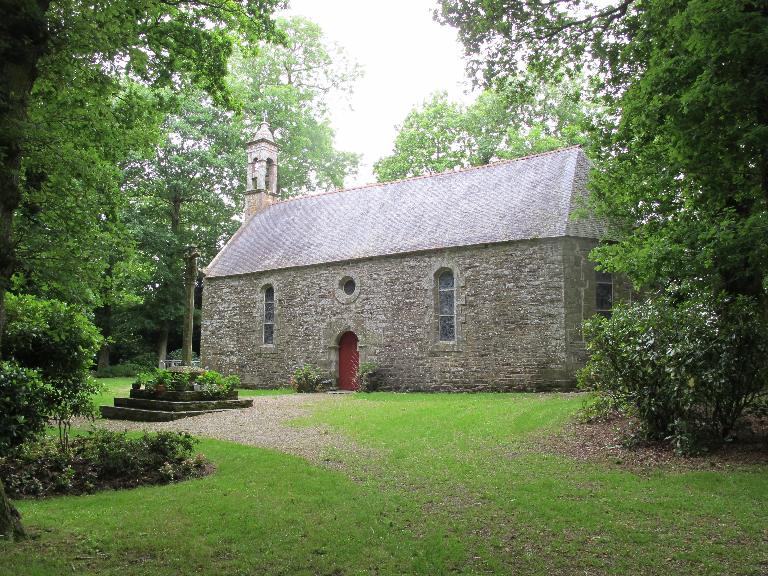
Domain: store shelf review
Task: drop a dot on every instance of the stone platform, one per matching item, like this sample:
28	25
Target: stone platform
162	407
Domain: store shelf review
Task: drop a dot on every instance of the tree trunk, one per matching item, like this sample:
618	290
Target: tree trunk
103	319
10	519
103	360
162	342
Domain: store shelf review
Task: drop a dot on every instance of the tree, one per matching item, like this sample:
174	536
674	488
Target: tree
433	138
681	155
158	43
190	190
187	193
514	119
291	83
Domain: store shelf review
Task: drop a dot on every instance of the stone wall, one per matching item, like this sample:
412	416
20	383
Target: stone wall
519	307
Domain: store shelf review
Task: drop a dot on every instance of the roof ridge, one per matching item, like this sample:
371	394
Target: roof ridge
423	176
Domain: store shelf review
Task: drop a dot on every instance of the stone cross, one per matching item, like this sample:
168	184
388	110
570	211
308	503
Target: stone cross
190	277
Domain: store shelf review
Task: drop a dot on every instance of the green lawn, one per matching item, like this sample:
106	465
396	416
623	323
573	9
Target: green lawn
444	484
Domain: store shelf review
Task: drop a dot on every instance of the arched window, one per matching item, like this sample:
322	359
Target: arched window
269	315
446	306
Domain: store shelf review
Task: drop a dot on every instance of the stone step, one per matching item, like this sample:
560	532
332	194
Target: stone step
177	406
123	413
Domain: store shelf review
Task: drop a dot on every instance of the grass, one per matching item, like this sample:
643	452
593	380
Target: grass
444	484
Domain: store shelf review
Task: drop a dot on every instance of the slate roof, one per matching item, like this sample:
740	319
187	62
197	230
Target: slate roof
531	197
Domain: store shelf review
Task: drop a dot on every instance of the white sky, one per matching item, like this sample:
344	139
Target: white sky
405	56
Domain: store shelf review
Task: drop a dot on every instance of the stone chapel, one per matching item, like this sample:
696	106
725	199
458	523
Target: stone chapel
467	280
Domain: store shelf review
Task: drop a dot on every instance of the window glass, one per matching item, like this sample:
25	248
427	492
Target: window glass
446	280
269	315
603	293
446	306
447	329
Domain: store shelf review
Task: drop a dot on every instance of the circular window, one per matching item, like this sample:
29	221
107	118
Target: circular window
347	290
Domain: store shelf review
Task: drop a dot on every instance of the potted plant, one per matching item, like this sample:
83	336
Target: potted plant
143	379
179	381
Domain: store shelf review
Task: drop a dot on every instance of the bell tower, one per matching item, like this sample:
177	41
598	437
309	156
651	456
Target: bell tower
261	175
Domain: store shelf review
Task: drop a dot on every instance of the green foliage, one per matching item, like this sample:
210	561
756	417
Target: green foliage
24	405
99	460
146	379
180	381
50	336
366	377
121	370
96	104
686	368
680	152
178	354
292	82
60	342
307	378
512	120
215	386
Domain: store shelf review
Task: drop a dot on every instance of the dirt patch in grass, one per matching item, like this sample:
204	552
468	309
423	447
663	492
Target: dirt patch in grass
611	442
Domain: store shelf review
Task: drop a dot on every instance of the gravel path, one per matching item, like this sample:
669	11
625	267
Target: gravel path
264	425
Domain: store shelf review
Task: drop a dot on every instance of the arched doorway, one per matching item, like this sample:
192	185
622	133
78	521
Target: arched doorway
349	359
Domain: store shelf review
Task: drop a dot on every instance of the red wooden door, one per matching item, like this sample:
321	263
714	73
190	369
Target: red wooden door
348	361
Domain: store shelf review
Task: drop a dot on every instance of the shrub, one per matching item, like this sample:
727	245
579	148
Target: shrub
214	386
366	380
147	360
122	370
24	405
50	336
60	342
178	354
71	397
101	459
179	381
306	378
686	368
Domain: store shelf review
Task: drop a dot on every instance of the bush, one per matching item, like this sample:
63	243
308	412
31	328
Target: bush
306	378
24	405
101	459
686	368
214	386
366	380
50	336
122	370
60	342
179	381
178	354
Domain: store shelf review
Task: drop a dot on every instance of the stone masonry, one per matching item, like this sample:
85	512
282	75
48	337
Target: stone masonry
519	310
